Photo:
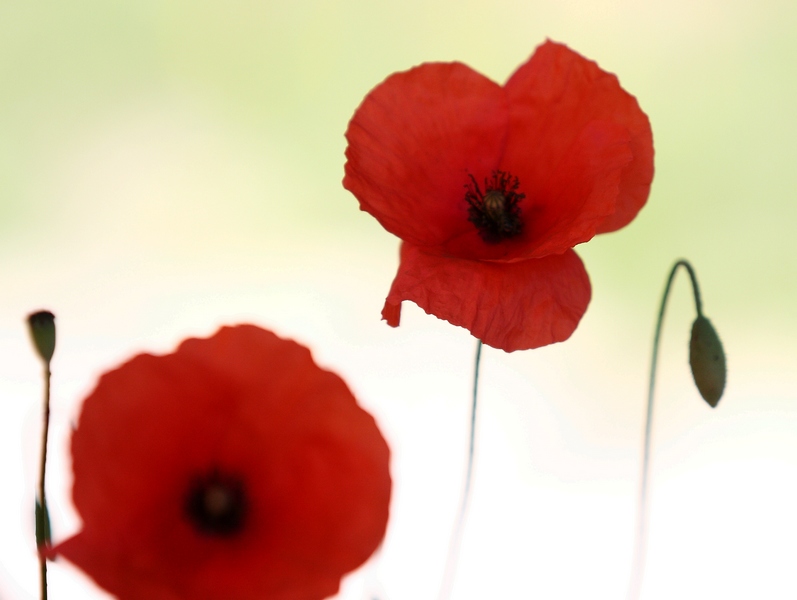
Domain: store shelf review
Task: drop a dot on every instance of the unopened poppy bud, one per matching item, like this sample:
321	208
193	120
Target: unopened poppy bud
707	360
43	535
42	330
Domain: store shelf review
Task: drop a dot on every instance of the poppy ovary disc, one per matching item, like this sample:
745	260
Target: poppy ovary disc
495	212
216	505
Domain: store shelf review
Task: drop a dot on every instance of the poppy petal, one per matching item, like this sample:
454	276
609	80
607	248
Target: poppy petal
309	465
414	140
582	191
510	306
552	99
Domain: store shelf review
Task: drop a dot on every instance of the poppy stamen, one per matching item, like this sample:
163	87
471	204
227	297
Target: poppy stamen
216	504
495	213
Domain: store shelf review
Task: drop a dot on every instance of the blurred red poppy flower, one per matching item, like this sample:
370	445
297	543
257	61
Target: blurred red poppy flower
491	187
233	469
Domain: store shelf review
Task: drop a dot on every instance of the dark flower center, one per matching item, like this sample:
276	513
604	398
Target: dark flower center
216	504
495	212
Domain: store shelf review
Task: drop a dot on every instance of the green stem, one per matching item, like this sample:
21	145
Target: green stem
456	536
640	545
43	519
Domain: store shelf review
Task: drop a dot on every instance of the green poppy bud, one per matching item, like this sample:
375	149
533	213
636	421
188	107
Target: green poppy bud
43	536
42	330
707	360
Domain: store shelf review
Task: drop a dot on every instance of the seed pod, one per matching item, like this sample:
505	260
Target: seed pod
707	360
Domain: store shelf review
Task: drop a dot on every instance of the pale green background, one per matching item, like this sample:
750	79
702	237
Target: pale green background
166	167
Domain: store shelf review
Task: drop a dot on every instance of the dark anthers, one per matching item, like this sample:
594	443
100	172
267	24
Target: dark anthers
495	213
216	504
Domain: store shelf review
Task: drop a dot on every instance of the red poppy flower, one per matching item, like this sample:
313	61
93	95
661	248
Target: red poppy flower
491	187
233	469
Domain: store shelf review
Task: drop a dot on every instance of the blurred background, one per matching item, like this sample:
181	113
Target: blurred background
170	166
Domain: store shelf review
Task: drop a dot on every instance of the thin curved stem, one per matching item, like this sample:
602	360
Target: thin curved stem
640	545
43	518
456	536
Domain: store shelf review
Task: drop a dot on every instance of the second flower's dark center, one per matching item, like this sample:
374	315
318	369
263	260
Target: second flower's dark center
495	212
216	504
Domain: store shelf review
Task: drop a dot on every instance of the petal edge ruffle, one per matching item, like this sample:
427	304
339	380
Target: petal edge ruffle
552	97
510	306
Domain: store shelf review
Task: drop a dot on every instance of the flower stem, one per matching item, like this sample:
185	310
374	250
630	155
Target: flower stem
41	326
456	536
640	544
42	517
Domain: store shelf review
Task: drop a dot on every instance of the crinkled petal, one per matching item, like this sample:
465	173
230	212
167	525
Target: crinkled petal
414	140
511	306
553	98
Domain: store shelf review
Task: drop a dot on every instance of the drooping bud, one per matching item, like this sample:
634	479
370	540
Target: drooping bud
42	330
707	360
